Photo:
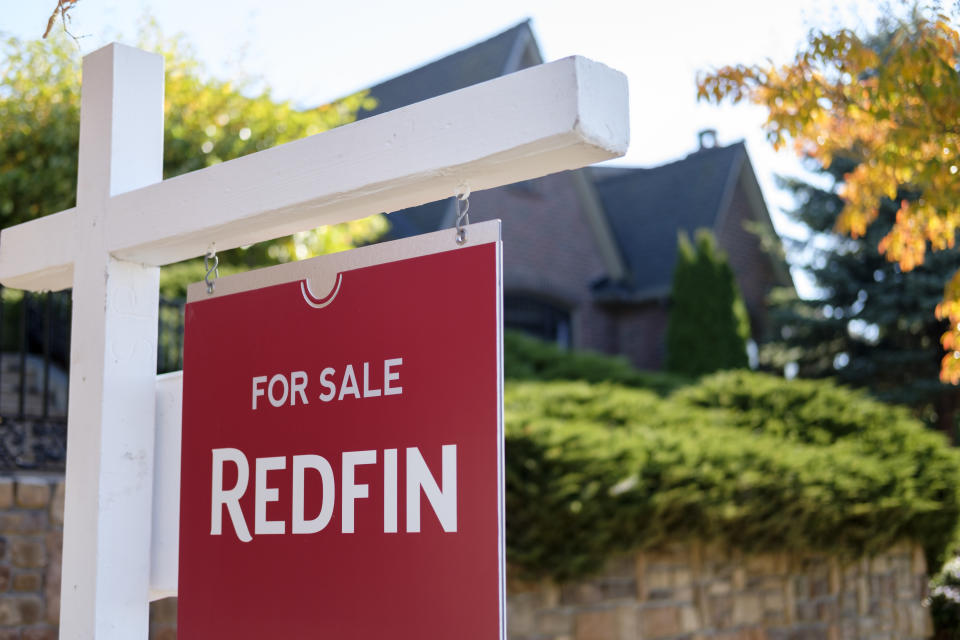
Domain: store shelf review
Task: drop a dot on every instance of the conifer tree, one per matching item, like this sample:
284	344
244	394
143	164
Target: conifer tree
708	327
872	324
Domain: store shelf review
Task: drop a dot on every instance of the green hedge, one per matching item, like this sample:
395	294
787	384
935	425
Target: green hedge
740	458
527	358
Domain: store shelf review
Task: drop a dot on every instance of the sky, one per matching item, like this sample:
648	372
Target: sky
313	52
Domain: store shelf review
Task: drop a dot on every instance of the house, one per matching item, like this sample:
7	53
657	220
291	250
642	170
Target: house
589	254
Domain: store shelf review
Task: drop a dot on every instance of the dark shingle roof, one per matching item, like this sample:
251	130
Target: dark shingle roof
481	62
648	207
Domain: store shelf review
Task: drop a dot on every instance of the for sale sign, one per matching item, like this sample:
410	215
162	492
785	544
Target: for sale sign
342	456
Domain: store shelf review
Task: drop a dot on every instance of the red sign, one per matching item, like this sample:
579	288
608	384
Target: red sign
341	471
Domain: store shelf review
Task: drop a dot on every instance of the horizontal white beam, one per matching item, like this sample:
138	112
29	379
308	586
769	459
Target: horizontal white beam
39	254
525	125
549	118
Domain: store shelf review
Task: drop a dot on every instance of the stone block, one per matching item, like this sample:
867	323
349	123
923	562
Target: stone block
27	582
719	587
661	622
616	588
919	561
690	619
806	611
56	504
23	522
820	586
18	610
683	577
828	611
921	624
879	564
761	564
863	595
9	634
556	622
789	603
774	601
747	609
4	578
657	579
620	566
739	580
28	553
581	593
721	611
6	493
683	594
597	625
33	493
521	614
659	594
551	594
31	609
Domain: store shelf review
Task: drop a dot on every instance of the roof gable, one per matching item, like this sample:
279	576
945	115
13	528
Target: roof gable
647	208
483	61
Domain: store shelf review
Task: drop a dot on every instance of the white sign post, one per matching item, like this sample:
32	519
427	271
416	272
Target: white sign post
128	222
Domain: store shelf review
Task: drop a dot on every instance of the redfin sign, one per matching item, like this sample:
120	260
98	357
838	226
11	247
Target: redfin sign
342	452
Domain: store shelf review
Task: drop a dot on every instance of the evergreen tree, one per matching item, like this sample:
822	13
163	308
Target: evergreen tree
872	324
708	326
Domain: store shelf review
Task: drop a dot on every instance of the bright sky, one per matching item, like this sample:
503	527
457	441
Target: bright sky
313	52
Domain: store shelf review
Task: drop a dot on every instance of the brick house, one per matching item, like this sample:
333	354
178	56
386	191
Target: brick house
589	254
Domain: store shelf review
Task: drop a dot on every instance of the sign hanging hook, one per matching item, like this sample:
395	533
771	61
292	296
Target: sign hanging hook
211	255
463	219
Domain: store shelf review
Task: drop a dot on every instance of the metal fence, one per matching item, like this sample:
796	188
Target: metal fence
34	367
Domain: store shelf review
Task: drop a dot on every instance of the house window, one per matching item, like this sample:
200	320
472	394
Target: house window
539	318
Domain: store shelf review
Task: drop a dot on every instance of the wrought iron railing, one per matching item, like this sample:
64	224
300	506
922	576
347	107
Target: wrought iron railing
34	367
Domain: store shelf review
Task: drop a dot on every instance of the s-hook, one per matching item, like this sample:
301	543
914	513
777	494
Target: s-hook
211	256
463	219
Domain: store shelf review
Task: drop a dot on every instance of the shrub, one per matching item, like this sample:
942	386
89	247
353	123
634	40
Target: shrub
527	358
944	601
744	459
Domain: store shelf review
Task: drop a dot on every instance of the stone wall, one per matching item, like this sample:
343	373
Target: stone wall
696	592
31	535
688	592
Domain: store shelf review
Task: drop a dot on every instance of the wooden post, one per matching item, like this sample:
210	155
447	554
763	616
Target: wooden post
113	359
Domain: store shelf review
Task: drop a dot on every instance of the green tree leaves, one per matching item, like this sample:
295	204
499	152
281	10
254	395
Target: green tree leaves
206	121
892	100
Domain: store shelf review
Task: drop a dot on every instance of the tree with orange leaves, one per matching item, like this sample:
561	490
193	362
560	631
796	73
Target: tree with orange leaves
894	105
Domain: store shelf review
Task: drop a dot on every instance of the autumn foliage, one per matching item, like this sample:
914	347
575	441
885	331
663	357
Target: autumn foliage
891	102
